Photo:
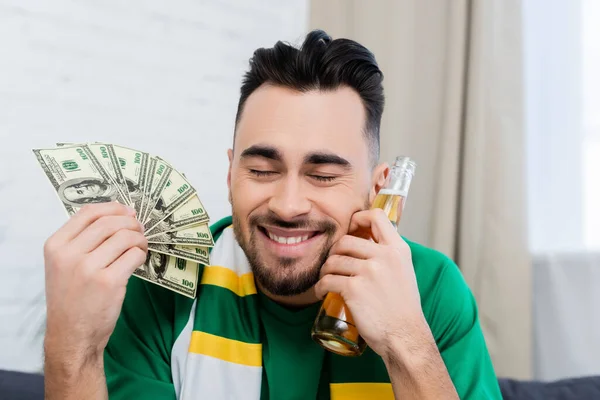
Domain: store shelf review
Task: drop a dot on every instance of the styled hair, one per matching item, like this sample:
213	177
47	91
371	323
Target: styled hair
321	63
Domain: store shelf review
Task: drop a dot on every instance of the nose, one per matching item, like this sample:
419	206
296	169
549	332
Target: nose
288	201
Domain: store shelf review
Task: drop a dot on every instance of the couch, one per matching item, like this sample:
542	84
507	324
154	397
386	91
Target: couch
24	386
585	388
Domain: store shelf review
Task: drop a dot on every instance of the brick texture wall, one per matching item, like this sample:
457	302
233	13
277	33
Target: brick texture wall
161	76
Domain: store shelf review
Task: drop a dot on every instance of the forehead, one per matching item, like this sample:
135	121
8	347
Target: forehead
299	123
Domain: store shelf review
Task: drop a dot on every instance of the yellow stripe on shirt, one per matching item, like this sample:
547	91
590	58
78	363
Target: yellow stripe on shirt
225	349
242	285
361	391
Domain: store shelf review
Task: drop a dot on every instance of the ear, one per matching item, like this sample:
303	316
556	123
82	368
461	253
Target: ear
230	156
379	180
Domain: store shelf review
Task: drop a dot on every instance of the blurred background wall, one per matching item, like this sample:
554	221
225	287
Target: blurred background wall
497	100
158	76
453	81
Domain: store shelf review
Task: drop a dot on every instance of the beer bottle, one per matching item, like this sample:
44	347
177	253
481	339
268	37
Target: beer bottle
334	329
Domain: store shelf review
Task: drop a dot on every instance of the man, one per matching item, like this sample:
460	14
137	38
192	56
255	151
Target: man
303	172
80	191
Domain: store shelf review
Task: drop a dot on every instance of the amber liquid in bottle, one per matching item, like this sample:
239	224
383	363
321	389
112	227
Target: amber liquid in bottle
334	328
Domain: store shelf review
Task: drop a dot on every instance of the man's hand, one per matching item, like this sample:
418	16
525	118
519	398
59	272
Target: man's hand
376	278
377	281
88	263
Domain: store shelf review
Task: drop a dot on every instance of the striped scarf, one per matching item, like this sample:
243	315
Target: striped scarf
224	358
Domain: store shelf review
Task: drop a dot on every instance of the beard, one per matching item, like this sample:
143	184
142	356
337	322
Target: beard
287	278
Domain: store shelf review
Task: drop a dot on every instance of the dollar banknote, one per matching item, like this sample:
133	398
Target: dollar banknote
176	222
78	177
149	173
105	154
190	253
174	273
196	235
192	212
158	182
177	190
134	164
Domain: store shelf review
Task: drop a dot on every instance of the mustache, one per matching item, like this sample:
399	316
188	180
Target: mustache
300	223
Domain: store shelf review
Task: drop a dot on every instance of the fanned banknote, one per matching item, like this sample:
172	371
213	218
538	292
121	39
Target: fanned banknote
196	235
190	213
134	164
176	222
176	274
195	254
170	194
105	153
78	177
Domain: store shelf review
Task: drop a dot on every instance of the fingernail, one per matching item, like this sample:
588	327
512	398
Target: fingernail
142	227
131	211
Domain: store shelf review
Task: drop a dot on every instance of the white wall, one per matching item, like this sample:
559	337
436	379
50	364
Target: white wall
155	75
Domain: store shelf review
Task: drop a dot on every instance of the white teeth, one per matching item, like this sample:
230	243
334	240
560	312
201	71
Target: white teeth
287	240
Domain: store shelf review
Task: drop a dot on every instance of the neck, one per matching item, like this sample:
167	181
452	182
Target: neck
299	300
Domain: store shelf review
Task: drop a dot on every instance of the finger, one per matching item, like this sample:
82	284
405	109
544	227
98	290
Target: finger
86	216
115	246
354	247
342	265
103	228
332	284
377	222
124	266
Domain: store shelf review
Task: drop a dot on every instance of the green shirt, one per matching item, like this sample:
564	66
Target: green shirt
141	359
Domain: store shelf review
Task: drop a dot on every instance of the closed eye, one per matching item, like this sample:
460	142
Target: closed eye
258	172
322	178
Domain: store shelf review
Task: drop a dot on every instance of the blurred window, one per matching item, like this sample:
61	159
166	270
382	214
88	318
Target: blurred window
562	114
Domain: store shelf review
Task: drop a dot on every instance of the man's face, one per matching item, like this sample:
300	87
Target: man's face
82	191
301	168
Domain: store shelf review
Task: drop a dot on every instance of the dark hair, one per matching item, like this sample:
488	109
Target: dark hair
321	64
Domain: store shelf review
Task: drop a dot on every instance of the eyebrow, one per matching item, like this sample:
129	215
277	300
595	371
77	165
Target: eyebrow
262	151
316	158
327	158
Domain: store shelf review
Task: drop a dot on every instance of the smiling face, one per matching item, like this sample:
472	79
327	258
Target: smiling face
300	169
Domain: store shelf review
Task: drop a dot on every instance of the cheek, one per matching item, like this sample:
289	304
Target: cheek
247	196
340	206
